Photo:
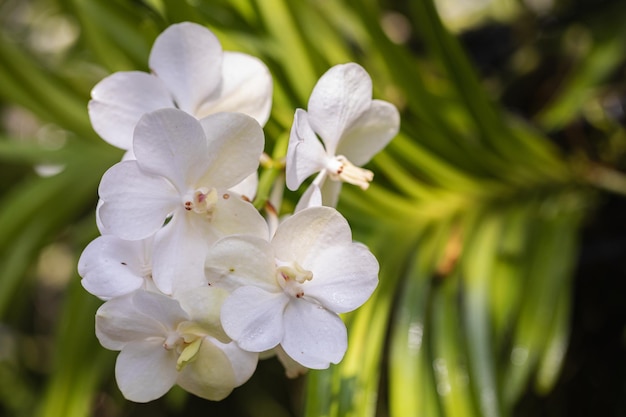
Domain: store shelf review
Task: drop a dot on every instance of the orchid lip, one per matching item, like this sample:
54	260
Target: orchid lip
185	341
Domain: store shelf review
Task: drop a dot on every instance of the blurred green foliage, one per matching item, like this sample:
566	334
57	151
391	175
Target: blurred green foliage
512	144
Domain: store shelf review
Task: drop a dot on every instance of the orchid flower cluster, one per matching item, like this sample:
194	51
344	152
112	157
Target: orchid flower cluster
198	285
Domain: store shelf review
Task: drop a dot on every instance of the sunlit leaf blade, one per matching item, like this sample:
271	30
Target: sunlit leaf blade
480	250
507	277
488	123
548	272
290	47
441	43
412	387
551	362
452	376
111	32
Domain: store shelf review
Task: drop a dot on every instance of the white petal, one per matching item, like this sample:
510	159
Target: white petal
307	233
210	374
129	155
235	144
248	187
170	143
344	277
118	322
135	204
305	153
188	58
145	370
179	251
99	224
243	362
314	336
119	101
203	306
312	197
340	96
234	215
181	247
160	307
246	88
253	318
111	267
292	368
370	133
239	260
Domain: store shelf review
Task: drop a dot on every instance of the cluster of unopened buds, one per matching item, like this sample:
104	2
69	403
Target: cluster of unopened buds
198	284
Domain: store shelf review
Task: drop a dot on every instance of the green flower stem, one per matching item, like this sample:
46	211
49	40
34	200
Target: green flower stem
271	168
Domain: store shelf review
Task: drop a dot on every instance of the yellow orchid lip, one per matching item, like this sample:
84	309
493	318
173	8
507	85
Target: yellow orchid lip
188	353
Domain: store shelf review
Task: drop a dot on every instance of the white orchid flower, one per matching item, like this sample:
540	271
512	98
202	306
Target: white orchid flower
351	126
163	342
289	292
181	176
189	72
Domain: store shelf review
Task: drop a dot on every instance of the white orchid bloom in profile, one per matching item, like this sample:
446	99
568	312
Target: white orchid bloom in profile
289	292
182	175
189	72
163	342
352	128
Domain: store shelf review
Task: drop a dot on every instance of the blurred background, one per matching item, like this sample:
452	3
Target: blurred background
498	213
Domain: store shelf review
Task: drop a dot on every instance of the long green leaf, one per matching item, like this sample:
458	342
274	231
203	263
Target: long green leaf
477	262
554	243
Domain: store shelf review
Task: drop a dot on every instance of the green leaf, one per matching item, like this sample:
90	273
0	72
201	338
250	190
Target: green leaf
412	387
548	273
477	272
